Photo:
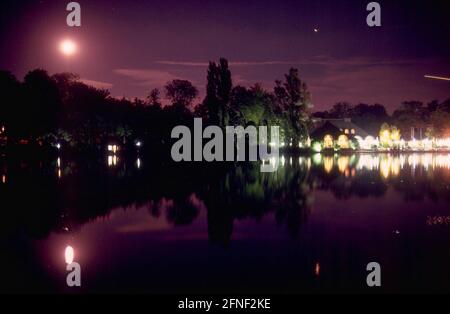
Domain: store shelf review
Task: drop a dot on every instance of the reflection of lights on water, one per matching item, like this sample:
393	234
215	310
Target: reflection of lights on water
4	178
317	159
112	160
384	168
388	165
58	164
328	164
69	254
402	159
368	162
442	161
343	163
317	269
413	160
138	163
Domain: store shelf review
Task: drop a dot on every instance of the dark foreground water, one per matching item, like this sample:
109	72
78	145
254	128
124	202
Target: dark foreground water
142	226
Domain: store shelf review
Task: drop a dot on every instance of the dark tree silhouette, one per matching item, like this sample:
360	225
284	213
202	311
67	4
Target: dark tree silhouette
181	93
218	89
294	100
43	103
154	98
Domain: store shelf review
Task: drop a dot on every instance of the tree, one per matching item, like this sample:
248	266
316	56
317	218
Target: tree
369	117
218	90
341	110
389	135
411	114
154	98
43	103
293	100
64	81
11	103
181	92
385	135
251	106
440	120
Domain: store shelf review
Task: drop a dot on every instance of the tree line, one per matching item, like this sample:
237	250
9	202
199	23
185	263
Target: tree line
61	108
433	117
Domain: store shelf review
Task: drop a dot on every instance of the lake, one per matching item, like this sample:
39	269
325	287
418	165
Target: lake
140	225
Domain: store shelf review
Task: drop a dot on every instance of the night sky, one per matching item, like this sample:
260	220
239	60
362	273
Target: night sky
133	46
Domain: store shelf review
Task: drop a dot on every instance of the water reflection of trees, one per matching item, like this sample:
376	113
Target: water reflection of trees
41	200
246	192
38	199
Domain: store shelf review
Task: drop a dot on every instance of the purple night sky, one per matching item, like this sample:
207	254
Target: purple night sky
133	46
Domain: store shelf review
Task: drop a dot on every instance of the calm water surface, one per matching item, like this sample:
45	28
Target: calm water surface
313	226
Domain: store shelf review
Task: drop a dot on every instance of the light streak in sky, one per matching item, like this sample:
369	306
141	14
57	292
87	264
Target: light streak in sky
438	77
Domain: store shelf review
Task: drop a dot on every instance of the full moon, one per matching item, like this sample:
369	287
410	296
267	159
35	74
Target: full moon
68	47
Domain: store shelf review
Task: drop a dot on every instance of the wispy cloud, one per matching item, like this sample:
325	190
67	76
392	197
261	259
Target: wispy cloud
147	77
232	63
318	60
97	84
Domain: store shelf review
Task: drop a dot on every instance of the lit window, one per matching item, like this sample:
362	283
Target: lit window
346	131
352	131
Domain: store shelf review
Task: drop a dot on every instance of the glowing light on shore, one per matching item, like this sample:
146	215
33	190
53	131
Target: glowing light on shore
113	148
69	254
68	47
317	147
